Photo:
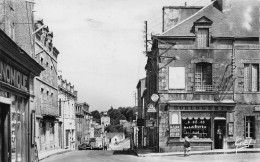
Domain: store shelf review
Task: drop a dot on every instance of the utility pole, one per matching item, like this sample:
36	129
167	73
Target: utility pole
145	23
134	95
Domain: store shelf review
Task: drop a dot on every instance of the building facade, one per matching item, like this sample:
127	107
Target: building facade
141	90
105	119
46	90
67	98
17	72
207	78
82	122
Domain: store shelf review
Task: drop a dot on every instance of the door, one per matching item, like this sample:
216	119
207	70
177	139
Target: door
219	133
5	146
67	138
60	136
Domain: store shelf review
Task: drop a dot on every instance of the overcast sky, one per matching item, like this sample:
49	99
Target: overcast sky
101	44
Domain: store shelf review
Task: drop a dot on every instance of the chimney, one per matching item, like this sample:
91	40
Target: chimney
224	5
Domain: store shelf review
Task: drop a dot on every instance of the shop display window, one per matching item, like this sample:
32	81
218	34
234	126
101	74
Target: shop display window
197	128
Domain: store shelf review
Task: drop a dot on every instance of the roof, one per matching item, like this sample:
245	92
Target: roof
12	50
241	20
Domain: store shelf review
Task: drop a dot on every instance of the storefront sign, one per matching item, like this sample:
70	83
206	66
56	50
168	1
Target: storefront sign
175	130
151	108
11	76
201	108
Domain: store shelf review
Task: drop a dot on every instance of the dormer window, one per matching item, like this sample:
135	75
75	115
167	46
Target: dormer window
202	30
203	37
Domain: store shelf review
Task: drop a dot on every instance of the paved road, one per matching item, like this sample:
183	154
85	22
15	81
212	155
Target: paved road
120	156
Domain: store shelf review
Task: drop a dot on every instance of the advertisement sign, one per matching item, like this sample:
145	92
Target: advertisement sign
151	108
175	130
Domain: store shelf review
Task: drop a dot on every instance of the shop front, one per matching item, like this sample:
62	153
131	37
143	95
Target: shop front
17	70
205	125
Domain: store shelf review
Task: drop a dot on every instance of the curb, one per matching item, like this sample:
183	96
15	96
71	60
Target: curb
57	153
198	153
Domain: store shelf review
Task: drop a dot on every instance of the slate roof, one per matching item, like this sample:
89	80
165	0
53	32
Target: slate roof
241	20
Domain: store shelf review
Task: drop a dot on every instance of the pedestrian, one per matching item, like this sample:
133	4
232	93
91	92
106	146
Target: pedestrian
186	146
219	136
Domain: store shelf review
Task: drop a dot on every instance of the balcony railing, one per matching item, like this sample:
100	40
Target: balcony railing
204	88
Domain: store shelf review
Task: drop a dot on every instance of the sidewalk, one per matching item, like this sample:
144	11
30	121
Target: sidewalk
145	153
45	154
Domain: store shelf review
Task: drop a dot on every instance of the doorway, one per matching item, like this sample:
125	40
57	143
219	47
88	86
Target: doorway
219	132
5	147
67	138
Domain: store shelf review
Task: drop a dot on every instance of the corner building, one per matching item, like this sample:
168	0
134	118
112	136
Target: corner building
207	78
48	128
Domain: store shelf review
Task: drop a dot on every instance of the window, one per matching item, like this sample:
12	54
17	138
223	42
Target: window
41	60
251	77
47	64
196	125
59	107
203	37
250	126
203	77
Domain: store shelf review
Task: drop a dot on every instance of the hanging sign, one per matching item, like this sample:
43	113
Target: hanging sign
151	108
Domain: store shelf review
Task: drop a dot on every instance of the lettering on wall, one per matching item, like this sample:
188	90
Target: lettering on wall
12	76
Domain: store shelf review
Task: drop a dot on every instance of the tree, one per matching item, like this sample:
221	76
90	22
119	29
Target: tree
95	114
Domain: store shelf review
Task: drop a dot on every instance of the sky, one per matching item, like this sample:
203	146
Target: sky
101	44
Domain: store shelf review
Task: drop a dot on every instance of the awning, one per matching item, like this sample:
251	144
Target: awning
195	115
201	103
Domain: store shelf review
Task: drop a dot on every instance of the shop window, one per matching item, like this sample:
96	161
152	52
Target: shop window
250	126
251	77
203	77
196	125
203	37
51	131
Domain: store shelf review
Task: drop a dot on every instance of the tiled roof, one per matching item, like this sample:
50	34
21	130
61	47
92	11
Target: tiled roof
241	20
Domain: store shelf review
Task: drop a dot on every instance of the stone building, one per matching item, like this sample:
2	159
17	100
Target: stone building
141	90
82	122
205	70
18	69
105	119
46	90
67	97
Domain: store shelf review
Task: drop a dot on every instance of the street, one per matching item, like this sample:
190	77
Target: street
118	156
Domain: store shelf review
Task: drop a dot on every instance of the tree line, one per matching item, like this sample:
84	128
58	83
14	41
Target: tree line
121	113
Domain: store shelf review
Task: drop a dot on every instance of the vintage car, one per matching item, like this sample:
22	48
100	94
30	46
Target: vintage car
85	146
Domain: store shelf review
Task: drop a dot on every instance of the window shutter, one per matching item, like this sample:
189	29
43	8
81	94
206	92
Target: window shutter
246	77
254	77
203	37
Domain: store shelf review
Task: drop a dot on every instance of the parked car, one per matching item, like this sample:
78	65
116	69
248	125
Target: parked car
85	146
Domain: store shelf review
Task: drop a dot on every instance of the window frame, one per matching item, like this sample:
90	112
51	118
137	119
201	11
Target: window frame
248	127
199	35
203	66
248	77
